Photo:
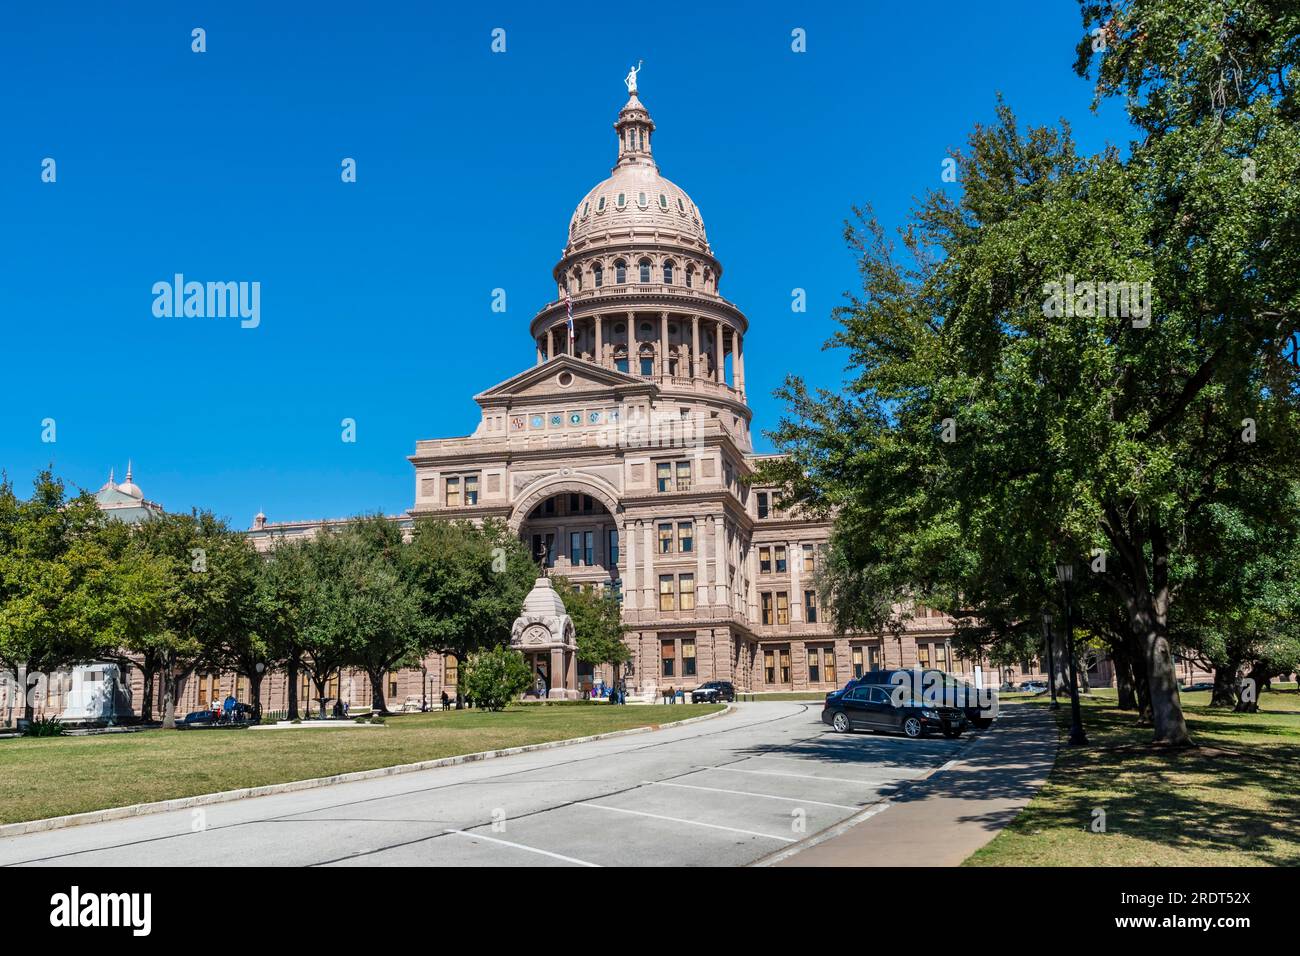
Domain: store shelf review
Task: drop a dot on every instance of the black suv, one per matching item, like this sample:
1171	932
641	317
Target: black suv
872	707
968	702
713	691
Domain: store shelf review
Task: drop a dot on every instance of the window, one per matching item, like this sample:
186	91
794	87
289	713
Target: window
667	597
664	475
690	277
683	476
769	667
809	558
686	584
857	662
575	548
873	658
620	363
828	664
392	684
663	201
613	545
668	658
785	665
641	199
686	537
597	275
814	665
600	204
620	200
767	607
589	548
782	607
471	489
620	272
688	658
810	606
762	504
765	560
923	655
647	365
453	493
665	539
941	657
668	272
544	549
645	270
780	559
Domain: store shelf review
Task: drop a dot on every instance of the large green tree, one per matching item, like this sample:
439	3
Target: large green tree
1008	410
597	624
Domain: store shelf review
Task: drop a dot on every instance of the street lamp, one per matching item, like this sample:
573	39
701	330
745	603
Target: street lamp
1051	656
1065	574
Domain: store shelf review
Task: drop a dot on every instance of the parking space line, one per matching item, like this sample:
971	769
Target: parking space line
747	793
693	823
893	771
520	846
803	776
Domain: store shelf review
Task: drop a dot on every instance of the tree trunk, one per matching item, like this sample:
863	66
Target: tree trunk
377	691
1162	678
148	673
1225	685
1124	679
255	692
291	674
320	694
1060	675
1248	702
169	696
29	703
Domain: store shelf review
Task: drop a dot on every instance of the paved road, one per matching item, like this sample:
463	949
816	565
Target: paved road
726	791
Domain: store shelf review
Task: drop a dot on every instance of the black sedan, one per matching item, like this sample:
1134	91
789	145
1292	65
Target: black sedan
872	707
713	691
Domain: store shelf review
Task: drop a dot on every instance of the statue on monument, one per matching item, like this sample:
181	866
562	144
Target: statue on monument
630	79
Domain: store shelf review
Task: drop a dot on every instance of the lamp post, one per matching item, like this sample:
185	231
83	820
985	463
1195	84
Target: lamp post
1065	574
1051	656
260	667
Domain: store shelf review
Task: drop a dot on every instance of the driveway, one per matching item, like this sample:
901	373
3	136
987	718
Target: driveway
722	792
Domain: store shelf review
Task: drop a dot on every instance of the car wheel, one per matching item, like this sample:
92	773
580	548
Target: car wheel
841	723
913	727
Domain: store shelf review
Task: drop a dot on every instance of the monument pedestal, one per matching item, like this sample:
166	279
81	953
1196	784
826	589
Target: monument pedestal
544	634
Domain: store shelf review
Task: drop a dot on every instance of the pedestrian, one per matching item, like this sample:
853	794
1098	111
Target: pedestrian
445	700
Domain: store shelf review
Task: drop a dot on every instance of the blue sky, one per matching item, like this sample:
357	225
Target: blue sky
376	296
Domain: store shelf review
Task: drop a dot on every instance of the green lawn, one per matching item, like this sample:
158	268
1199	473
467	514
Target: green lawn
1232	801
46	777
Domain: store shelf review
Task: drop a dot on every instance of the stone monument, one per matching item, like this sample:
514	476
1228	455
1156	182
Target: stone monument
543	632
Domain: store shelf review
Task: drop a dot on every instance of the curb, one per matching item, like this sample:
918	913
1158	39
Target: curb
229	796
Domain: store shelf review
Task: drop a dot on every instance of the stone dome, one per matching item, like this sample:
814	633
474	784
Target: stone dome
543	601
635	197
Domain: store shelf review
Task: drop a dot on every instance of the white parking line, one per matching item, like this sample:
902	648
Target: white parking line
802	776
747	793
693	823
520	846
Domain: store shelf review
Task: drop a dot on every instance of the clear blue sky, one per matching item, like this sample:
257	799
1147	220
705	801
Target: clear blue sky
376	295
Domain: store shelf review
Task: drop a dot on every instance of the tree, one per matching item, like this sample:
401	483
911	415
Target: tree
597	623
495	677
472	582
1000	419
281	583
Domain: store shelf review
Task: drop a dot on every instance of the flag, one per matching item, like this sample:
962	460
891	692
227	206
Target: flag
568	305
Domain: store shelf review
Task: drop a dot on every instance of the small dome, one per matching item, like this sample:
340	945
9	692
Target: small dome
543	600
129	487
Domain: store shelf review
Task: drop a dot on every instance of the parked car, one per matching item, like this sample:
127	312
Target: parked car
975	714
1034	686
714	691
199	718
873	707
852	683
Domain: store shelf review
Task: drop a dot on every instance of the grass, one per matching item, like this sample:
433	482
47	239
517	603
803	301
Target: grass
1231	801
53	776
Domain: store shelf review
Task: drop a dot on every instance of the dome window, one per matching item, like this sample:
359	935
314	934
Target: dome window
620	272
586	207
621	201
597	275
642	201
620	328
645	270
690	277
647	327
663	201
600	204
668	272
681	206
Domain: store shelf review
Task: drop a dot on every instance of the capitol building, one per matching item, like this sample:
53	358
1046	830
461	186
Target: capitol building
622	455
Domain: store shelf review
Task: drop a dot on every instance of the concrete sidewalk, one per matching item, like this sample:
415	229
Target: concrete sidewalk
944	818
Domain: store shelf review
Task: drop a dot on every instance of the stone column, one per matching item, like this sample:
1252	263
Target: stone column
600	339
663	344
695	346
650	586
628	541
557	673
701	565
550	344
738	361
720	582
539	352
721	357
753	583
796	595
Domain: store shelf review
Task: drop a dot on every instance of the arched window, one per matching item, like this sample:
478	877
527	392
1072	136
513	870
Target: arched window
600	204
620	272
668	272
642	201
577	279
620	359
645	270
597	275
690	277
647	360
620	200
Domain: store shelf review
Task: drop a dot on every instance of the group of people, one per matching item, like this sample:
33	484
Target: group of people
615	693
673	696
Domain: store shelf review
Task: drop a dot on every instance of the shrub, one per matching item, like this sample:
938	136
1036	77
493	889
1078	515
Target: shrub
495	677
44	727
376	720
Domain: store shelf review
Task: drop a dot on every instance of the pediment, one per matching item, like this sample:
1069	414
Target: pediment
544	381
